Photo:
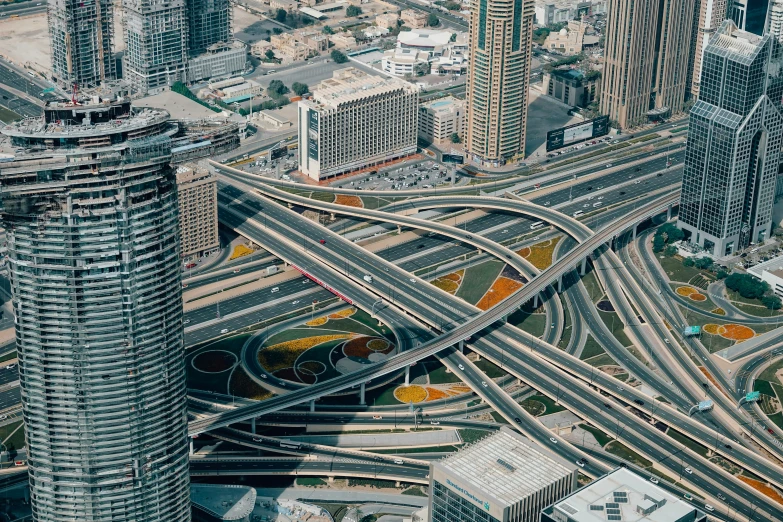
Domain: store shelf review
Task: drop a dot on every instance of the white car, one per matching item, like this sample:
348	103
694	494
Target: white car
460	367
689	471
186	321
709	507
412	280
295	303
579	463
224	330
553	440
3	416
653	480
608	165
377	417
484	383
263	376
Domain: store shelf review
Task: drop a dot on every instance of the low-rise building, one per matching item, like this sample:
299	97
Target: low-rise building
198	213
288	46
440	119
374	31
771	272
387	21
569	40
288	5
623	496
501	478
316	41
432	41
356	120
220	60
259	48
572	87
344	41
548	12
403	62
238	93
204	138
413	18
222	502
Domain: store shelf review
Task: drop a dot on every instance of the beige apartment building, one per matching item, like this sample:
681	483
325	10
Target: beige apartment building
198	214
413	18
356	120
711	13
439	119
387	21
646	59
498	80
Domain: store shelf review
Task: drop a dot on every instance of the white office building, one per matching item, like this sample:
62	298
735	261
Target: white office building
501	478
356	120
440	119
623	496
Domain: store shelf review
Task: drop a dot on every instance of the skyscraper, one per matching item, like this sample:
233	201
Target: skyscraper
156	44
498	79
210	23
776	19
81	35
734	139
646	59
750	15
708	15
90	210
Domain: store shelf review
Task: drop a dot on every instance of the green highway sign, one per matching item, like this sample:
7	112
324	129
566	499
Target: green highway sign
49	89
752	396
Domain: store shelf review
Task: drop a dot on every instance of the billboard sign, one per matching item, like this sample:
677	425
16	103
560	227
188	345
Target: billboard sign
564	136
453	158
277	153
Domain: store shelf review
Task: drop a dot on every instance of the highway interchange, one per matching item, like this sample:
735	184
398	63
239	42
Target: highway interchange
434	242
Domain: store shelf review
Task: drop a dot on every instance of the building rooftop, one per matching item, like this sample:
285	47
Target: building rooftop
424	38
507	466
774	265
223	502
182	108
741	45
446	104
622	496
351	84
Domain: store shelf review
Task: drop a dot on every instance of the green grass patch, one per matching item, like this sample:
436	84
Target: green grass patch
470	436
478	279
763	387
8	116
490	369
499	418
616	326
415	491
534	324
567	327
549	404
337	511
310	482
591	348
533	407
601	360
624	452
592	286
676	270
688	443
777	419
602	438
441	375
8	356
12	435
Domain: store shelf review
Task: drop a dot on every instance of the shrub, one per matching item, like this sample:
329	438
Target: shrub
747	286
353	10
339	57
772	302
281	15
704	263
433	20
669	250
688	261
299	88
722	274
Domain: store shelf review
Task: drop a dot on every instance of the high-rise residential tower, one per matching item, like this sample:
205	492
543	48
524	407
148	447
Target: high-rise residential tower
708	16
156	44
646	59
775	19
90	210
498	79
81	35
210	23
735	133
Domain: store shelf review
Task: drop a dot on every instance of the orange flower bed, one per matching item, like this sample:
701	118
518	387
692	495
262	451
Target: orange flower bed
318	321
714	329
686	291
719	311
762	488
460	389
697	297
378	345
524	252
433	394
349	201
446	285
738	332
414	393
501	289
454	276
342	314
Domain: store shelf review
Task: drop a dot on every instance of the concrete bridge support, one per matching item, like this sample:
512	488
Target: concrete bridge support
190	446
583	270
362	400
668	213
253	425
312	406
407	375
560	284
462	346
635	227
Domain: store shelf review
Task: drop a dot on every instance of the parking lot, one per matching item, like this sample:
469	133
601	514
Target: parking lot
421	174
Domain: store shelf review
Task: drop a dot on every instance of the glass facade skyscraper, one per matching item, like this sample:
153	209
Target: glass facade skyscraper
734	141
90	210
